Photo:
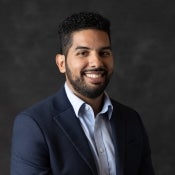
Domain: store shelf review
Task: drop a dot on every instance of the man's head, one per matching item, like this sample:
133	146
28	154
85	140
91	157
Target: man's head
86	60
80	21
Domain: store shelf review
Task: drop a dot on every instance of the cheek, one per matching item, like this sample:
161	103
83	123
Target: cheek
76	65
110	64
74	68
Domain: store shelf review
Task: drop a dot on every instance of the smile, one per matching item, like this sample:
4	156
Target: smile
93	75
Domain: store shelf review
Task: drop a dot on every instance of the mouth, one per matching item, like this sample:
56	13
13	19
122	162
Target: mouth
95	76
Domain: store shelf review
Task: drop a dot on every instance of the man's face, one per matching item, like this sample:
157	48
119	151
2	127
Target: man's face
89	63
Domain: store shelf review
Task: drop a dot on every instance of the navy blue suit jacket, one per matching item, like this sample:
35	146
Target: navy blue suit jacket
48	139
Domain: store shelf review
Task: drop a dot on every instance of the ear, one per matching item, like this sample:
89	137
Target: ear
60	61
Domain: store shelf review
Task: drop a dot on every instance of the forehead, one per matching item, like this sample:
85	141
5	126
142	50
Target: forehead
90	37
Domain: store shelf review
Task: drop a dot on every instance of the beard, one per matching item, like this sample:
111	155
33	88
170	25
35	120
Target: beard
79	84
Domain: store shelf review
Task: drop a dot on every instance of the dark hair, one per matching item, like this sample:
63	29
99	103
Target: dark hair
79	21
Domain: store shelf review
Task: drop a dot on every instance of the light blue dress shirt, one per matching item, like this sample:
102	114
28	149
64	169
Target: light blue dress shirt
98	131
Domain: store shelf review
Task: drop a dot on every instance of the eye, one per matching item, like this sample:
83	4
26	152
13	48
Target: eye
105	53
83	53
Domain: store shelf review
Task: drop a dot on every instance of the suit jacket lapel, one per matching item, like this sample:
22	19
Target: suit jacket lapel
118	133
70	125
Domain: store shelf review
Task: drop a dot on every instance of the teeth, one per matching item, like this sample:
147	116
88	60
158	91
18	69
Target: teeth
93	75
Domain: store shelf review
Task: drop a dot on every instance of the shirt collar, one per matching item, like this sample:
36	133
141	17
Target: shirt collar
107	106
77	103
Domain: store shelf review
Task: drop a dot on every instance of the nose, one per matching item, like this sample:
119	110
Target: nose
95	60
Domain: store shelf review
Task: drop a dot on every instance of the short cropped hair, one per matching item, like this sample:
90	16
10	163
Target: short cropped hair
80	21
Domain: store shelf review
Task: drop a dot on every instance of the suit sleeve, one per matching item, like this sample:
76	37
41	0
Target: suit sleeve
29	153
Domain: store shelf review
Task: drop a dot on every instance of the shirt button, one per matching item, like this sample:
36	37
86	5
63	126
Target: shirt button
87	108
101	150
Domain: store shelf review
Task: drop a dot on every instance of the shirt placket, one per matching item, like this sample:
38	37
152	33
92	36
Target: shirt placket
100	147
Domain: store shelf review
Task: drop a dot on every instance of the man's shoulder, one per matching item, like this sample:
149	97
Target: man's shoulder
128	115
122	107
40	108
125	111
48	106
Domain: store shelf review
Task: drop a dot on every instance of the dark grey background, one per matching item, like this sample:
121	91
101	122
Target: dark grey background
143	36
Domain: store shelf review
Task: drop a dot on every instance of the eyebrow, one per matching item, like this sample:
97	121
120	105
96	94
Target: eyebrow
102	48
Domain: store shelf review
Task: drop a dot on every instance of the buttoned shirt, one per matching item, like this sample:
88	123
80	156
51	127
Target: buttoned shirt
97	130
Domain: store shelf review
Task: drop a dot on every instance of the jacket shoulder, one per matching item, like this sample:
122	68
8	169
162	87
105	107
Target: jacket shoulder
49	106
122	108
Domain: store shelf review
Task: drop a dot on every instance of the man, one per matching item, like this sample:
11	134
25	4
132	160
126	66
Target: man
80	130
